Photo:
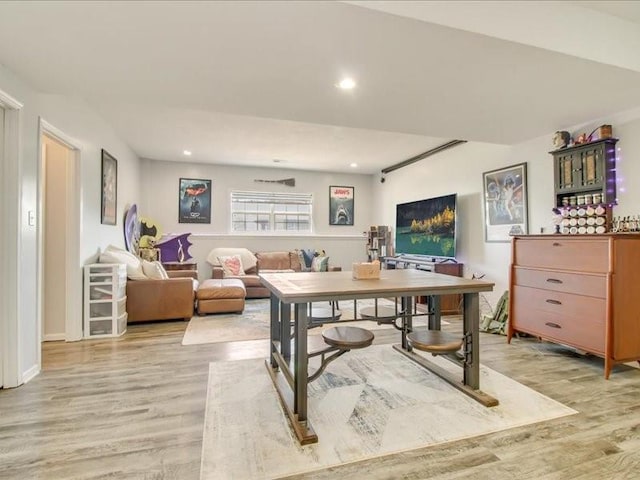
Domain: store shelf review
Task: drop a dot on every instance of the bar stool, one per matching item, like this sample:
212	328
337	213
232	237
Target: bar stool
435	342
340	340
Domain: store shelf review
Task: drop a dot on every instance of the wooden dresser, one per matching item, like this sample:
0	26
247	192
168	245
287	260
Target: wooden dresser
581	291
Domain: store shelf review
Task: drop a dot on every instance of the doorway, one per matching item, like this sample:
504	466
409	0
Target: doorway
2	352
59	270
55	163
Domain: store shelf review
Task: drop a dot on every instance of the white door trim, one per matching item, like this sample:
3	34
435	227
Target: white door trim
10	217
73	280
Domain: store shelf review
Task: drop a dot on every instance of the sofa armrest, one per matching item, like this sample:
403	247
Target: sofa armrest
217	272
182	274
160	299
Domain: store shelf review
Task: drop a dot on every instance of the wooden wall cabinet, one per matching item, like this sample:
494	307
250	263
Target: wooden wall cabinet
578	291
586	169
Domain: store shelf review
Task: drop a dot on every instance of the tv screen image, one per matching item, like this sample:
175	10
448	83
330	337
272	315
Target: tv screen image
427	227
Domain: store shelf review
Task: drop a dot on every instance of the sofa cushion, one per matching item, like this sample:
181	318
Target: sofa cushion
300	261
308	254
248	259
113	254
154	270
320	264
231	264
248	280
273	261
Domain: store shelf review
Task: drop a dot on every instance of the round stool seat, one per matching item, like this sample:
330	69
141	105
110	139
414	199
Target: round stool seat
385	314
347	337
434	341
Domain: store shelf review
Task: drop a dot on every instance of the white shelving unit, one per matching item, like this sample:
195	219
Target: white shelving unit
105	300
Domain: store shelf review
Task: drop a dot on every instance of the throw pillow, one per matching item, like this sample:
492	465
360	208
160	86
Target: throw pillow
232	265
308	254
320	264
154	270
303	263
113	254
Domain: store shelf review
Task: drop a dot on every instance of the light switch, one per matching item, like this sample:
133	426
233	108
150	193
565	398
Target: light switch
32	218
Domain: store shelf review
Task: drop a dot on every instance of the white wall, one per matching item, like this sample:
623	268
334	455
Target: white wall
344	244
72	117
459	170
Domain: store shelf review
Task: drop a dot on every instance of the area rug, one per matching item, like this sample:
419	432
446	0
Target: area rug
368	403
253	323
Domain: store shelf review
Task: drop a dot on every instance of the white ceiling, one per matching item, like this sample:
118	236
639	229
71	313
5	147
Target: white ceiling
249	82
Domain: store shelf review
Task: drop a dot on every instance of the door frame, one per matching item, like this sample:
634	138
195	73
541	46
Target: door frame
10	223
73	268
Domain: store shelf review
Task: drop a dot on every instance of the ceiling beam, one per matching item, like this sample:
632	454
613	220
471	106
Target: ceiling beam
423	155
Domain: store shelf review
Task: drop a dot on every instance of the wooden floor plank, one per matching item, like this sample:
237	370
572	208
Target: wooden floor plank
133	407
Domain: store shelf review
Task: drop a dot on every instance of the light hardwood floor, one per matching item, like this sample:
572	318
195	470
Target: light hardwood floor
133	407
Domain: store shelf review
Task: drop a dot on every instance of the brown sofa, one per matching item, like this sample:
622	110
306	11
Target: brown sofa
264	262
173	298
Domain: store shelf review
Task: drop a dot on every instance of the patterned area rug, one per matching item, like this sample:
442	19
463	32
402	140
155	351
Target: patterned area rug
367	403
253	323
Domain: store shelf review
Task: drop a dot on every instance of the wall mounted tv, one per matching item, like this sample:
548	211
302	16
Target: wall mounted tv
427	227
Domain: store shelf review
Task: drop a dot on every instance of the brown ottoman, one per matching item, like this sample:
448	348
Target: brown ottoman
224	295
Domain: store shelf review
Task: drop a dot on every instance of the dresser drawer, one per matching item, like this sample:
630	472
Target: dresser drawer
581	284
532	314
562	253
589	337
567	304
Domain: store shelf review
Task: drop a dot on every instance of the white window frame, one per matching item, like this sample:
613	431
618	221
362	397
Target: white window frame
275	201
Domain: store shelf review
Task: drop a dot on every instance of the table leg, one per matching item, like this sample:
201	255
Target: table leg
434	314
275	328
471	326
406	304
301	362
285	330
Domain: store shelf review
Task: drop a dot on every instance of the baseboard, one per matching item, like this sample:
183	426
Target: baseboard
54	337
31	373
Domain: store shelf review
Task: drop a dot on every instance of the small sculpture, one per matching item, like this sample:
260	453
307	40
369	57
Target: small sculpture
561	139
557	219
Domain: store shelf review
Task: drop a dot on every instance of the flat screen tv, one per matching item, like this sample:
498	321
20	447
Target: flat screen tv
427	227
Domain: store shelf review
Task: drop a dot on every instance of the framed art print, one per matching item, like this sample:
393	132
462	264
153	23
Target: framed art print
505	203
194	201
109	189
341	201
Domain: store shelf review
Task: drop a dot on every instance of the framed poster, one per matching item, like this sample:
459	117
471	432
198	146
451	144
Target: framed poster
505	203
341	202
194	202
109	189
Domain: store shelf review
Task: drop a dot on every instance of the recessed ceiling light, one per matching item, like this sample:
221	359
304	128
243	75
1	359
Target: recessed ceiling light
347	84
187	153
353	165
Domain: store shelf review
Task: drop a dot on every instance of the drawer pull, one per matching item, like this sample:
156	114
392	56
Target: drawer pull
554	302
553	280
556	244
552	325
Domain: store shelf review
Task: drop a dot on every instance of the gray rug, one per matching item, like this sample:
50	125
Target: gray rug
367	403
253	323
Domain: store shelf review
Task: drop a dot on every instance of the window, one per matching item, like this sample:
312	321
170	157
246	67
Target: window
271	212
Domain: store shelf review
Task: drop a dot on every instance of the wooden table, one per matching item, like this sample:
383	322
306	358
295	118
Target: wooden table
302	288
